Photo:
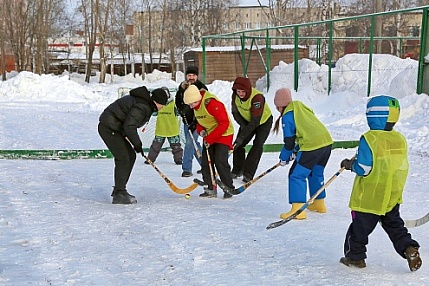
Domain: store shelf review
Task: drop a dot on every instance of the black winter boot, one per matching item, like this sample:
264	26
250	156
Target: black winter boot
226	195
123	197
353	263
208	193
227	191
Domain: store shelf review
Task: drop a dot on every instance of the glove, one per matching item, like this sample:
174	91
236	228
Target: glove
192	126
234	147
347	164
139	149
238	142
206	144
184	84
203	133
285	160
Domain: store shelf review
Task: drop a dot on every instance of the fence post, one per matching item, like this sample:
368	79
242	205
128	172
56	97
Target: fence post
423	71
203	64
295	59
371	51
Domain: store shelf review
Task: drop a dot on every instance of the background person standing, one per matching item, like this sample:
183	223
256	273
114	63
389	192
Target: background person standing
189	120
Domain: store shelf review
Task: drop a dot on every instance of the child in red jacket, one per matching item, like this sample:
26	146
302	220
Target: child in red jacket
215	126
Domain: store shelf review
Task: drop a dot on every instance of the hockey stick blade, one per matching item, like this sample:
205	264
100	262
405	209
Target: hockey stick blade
417	222
200	182
310	201
172	186
288	219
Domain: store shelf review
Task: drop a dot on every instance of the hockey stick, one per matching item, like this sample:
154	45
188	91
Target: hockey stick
309	202
192	138
195	144
212	175
417	222
172	186
242	188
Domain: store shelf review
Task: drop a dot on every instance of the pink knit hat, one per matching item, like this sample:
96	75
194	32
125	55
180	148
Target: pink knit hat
283	97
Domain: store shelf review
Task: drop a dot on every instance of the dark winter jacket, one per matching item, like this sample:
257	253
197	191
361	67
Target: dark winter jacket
129	113
185	111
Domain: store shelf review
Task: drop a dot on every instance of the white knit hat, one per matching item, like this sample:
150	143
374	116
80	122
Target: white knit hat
192	94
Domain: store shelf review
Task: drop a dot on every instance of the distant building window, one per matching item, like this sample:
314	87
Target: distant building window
248	25
258	25
237	26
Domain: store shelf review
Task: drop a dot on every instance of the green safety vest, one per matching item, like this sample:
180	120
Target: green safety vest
311	134
382	189
207	120
243	107
167	124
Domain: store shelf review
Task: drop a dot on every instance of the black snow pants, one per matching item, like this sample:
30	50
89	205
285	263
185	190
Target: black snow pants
123	153
248	165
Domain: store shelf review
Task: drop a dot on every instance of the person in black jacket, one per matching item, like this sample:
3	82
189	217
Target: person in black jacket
118	128
189	120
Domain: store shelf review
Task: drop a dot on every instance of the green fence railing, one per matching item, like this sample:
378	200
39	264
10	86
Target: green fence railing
329	32
104	153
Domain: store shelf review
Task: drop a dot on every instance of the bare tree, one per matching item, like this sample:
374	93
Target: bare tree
27	26
17	25
90	12
121	19
47	16
387	25
3	44
103	26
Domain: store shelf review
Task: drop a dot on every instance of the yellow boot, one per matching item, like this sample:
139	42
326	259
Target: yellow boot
295	207
318	206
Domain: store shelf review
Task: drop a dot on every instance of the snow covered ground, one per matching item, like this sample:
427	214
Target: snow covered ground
58	226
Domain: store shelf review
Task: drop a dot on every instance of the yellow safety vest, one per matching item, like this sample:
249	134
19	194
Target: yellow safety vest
311	134
382	188
243	107
167	124
207	120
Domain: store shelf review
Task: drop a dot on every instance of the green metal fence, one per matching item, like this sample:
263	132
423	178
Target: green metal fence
330	35
105	154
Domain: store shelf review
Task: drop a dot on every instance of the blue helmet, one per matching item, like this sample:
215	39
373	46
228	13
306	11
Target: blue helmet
382	112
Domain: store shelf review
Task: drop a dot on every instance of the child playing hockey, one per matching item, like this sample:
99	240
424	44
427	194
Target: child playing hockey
167	127
381	168
215	126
